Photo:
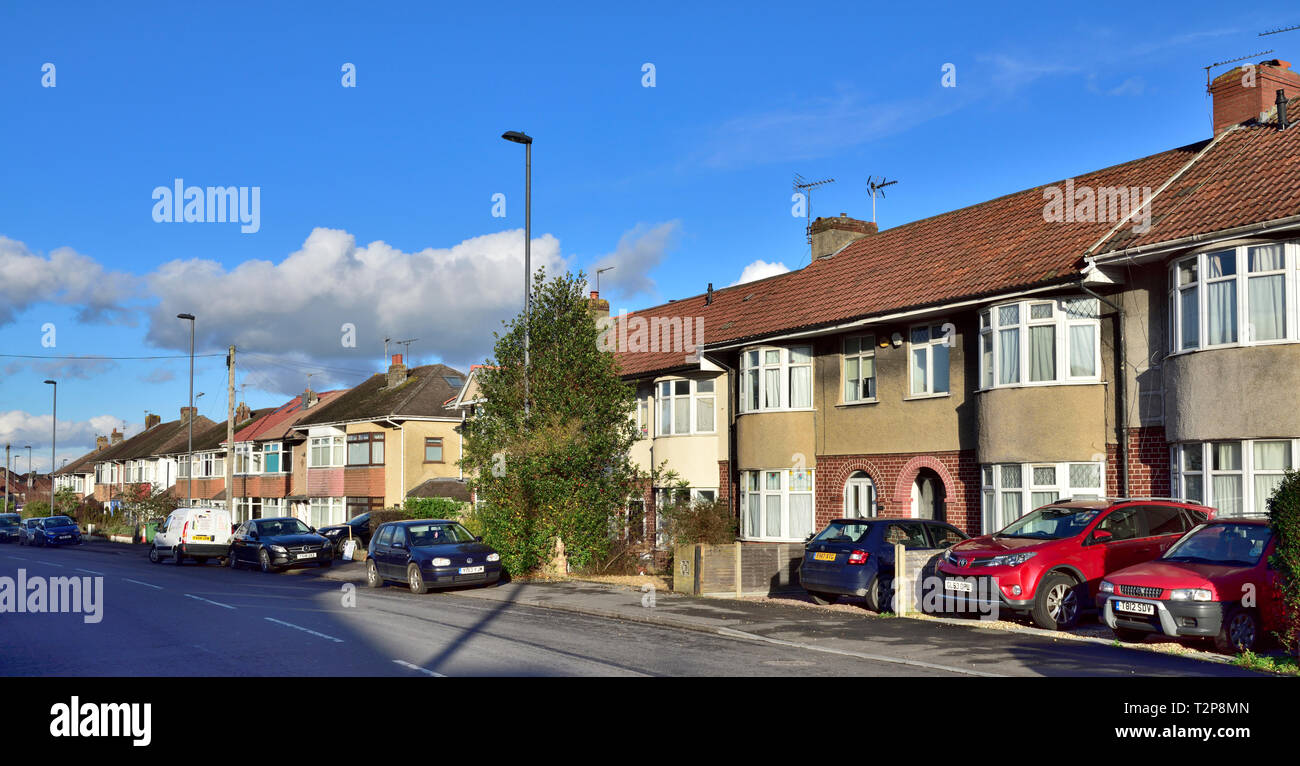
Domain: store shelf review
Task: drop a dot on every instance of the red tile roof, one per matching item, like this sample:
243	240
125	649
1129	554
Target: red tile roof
280	422
1251	175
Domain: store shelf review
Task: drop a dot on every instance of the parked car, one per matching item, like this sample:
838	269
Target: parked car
9	523
1050	562
56	530
855	557
199	533
277	544
27	531
357	528
1213	583
429	553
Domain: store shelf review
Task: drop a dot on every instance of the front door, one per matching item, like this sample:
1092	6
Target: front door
859	497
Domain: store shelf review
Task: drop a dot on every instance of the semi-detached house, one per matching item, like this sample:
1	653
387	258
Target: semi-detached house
1130	331
379	442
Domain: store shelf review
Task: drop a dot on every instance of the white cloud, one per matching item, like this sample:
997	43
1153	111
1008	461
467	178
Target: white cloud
640	250
65	277
450	299
760	269
76	437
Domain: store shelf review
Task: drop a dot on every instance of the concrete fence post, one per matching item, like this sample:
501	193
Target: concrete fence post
739	555
902	587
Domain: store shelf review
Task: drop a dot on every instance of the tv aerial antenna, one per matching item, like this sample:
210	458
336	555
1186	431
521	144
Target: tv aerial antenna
406	346
1231	61
1279	30
805	187
877	187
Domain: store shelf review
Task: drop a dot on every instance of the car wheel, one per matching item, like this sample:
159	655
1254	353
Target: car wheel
874	597
153	555
415	579
178	558
1130	636
1058	603
1239	633
264	559
822	599
373	579
230	560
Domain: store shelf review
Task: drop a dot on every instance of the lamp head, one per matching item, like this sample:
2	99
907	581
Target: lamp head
517	137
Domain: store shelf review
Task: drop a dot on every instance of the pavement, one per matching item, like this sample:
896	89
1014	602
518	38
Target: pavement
207	620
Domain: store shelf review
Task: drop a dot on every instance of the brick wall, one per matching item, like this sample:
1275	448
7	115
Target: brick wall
1148	464
363	482
893	476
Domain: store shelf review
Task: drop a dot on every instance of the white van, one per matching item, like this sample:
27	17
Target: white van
198	533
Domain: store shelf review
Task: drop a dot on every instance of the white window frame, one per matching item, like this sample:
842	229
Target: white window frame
334	509
786	479
1062	320
936	337
992	516
335	449
860	348
691	400
1182	455
1245	335
755	361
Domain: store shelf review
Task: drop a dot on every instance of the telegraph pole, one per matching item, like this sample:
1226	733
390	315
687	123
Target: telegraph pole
6	505
230	428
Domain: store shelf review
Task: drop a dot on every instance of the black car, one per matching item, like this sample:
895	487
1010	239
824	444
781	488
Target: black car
27	531
56	530
430	553
357	526
276	544
9	527
855	557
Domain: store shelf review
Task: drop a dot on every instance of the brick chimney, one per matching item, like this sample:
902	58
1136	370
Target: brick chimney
396	372
101	442
116	437
1249	93
186	413
599	306
151	420
309	399
830	234
242	413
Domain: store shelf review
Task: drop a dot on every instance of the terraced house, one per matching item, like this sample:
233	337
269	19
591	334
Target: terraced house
377	443
1130	331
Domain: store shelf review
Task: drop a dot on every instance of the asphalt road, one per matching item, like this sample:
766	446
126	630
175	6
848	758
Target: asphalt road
163	620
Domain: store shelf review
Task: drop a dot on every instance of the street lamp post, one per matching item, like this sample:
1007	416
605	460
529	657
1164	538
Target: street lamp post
527	140
54	439
189	414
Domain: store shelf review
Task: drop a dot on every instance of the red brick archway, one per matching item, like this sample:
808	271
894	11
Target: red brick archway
907	476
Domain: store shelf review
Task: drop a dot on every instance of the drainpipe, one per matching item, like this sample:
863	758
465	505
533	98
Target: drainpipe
401	491
1121	390
732	396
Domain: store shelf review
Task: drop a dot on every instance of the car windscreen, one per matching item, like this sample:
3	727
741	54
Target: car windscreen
844	532
8	521
1050	523
1228	544
438	534
276	527
59	521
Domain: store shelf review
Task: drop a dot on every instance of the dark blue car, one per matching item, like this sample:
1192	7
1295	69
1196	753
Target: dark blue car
430	553
57	530
855	557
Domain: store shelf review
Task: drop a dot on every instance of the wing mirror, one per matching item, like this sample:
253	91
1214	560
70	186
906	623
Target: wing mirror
1101	535
478	538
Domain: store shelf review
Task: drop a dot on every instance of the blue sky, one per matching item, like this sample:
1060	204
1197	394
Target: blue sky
376	201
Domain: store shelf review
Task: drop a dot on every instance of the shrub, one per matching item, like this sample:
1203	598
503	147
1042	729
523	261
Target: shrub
688	523
36	508
434	508
1284	521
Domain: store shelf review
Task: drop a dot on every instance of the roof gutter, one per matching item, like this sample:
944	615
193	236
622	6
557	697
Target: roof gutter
1135	254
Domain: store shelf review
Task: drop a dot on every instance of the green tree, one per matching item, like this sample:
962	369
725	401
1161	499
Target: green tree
1284	520
561	470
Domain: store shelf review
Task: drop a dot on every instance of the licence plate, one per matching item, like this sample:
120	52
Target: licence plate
958	585
471	570
201	537
1135	607
306	555
65	537
824	556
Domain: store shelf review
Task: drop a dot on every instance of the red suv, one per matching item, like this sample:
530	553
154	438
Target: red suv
1050	562
1215	583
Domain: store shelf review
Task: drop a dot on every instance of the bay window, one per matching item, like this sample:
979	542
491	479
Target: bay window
928	366
859	369
1235	477
1235	296
1040	342
1010	490
686	407
776	379
325	511
272	459
777	504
